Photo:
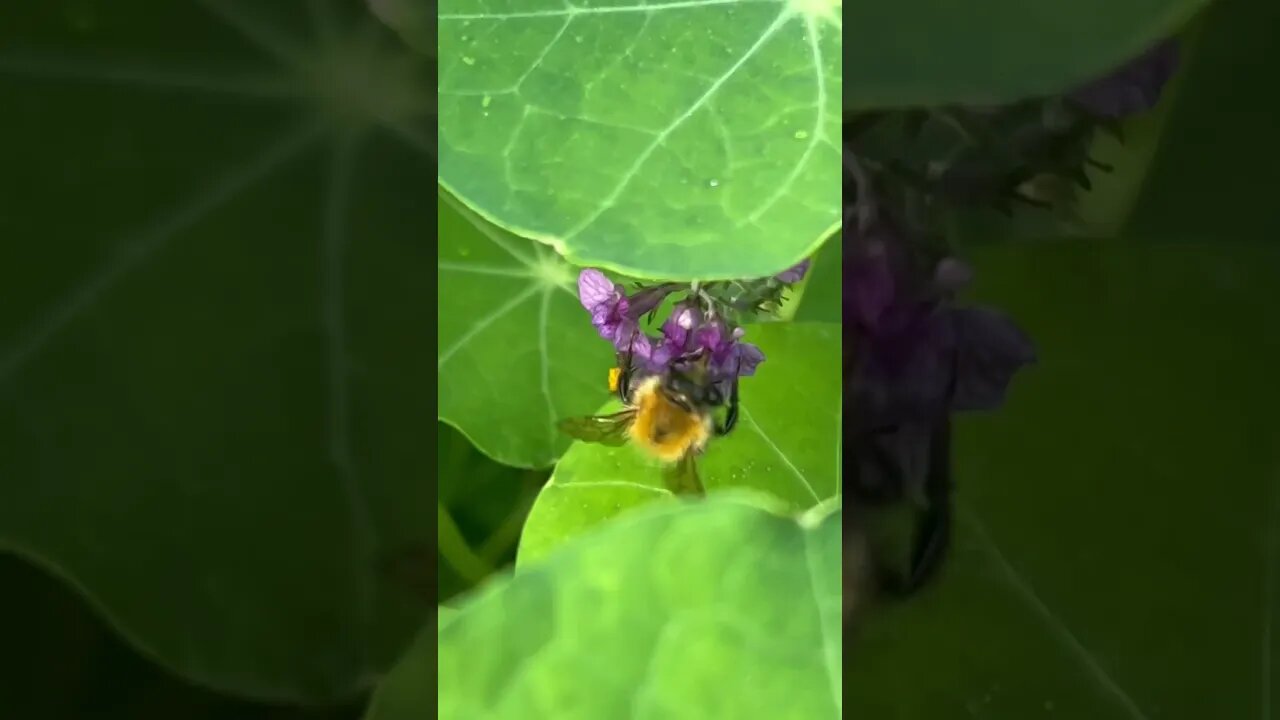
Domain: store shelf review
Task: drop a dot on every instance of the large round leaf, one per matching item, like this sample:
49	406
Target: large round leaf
1198	190
684	140
513	340
939	52
714	609
1117	550
212	355
787	444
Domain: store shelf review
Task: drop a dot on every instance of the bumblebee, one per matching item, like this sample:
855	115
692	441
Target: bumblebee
669	416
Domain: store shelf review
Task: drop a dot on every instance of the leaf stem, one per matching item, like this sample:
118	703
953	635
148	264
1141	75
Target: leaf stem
455	550
508	533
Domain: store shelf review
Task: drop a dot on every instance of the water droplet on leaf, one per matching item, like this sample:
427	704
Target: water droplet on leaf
801	134
713	183
468	60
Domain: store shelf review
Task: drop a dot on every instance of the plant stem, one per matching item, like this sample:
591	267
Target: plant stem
455	550
508	533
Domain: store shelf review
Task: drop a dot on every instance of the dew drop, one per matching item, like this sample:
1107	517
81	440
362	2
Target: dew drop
465	38
801	134
486	102
713	183
577	38
468	60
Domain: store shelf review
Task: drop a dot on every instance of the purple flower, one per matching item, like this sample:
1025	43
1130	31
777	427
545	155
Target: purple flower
938	359
1135	87
869	285
614	315
918	357
793	274
688	334
606	301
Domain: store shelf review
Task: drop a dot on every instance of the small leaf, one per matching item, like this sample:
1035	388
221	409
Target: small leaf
579	125
513	341
713	609
786	444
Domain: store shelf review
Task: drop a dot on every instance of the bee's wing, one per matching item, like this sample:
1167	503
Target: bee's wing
682	477
603	429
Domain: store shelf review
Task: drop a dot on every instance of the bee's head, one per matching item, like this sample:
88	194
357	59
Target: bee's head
691	390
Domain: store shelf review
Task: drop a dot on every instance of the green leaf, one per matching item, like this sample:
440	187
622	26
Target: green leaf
414	20
822	300
787	444
1116	554
1196	190
513	340
692	140
212	353
713	609
938	52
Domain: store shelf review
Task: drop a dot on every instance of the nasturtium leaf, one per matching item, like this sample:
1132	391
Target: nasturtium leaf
712	609
414	20
824	285
938	52
787	444
1196	190
1116	553
516	349
685	140
212	346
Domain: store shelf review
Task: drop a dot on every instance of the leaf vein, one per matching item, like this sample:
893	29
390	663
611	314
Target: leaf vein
484	322
661	137
572	10
778	451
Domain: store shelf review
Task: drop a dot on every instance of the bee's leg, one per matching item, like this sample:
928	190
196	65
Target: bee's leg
877	476
624	385
731	417
624	372
932	536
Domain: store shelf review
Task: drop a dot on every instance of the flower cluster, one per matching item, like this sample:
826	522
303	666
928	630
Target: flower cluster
705	322
914	355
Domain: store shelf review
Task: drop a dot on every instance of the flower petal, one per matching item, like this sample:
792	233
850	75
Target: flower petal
990	350
649	298
749	357
795	273
596	289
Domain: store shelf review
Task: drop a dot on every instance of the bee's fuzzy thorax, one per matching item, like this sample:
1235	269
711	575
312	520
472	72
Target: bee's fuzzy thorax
662	428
